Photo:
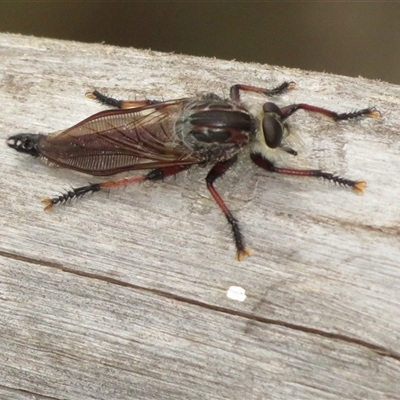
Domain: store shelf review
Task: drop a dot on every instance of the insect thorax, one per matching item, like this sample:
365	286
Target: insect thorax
214	128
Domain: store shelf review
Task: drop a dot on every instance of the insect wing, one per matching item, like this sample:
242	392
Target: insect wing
113	141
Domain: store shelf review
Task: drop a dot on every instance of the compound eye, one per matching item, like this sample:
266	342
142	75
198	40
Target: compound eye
272	108
273	131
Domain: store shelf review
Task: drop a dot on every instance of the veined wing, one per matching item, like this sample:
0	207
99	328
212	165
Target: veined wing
113	141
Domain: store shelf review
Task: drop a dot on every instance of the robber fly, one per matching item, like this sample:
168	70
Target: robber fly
169	137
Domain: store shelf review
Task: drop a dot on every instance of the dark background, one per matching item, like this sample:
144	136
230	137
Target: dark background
349	38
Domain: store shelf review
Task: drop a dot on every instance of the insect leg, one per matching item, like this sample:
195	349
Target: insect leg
235	90
369	112
217	171
357	186
74	193
110	101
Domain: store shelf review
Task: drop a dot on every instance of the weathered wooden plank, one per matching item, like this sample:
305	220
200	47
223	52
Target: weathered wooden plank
124	296
73	336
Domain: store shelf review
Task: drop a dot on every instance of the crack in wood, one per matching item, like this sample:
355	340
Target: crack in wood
37	396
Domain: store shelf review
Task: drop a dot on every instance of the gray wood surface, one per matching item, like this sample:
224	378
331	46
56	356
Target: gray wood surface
124	295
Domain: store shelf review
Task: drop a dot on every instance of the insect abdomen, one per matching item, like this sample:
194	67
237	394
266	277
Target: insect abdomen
25	143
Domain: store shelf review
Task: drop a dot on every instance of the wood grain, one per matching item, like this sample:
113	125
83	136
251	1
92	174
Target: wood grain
123	295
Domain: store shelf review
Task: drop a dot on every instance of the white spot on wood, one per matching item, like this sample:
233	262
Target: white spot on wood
236	293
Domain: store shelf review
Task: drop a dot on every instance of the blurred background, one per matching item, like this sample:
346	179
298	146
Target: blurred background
350	38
